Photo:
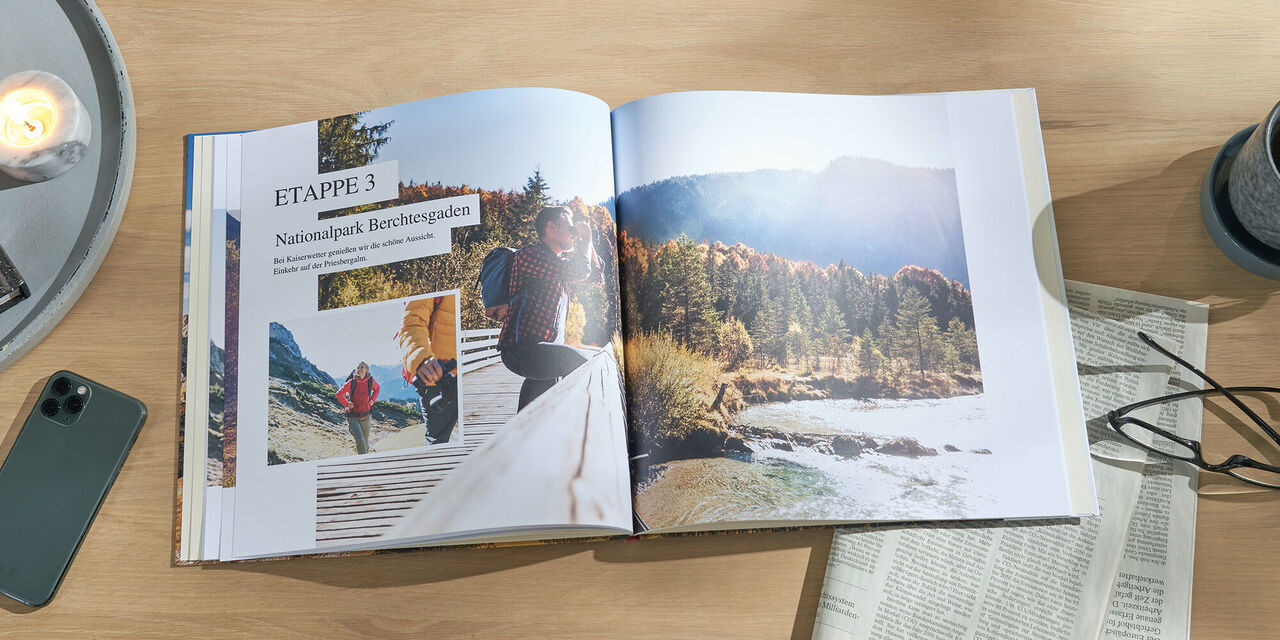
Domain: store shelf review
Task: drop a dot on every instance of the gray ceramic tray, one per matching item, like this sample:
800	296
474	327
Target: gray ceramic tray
57	232
1220	219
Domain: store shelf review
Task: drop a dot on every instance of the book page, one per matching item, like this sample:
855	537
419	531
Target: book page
219	235
195	399
183	516
1046	580
369	375
226	460
223	317
213	189
1152	593
210	451
843	308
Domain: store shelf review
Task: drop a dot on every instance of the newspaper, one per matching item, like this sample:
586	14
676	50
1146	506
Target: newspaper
1048	579
1152	594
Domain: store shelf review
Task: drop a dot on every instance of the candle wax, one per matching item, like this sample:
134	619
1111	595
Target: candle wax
27	116
44	128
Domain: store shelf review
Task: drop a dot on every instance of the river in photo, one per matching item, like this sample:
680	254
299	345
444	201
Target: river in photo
958	421
805	483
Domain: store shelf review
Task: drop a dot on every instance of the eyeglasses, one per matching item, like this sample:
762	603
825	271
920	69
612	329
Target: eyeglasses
1173	446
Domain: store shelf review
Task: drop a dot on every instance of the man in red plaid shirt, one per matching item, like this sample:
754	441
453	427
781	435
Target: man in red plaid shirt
532	338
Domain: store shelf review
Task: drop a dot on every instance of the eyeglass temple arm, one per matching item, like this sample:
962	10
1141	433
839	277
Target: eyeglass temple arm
1173	397
1213	383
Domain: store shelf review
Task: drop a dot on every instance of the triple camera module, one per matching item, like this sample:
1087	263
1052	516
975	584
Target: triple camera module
69	397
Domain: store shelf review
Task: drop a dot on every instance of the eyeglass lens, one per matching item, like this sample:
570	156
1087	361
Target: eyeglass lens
1160	443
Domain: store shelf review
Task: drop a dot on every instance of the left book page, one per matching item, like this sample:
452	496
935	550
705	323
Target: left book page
373	408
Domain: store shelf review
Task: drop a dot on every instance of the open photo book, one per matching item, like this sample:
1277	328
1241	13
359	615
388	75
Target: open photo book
518	315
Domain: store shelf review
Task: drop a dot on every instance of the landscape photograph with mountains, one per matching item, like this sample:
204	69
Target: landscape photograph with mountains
323	404
800	336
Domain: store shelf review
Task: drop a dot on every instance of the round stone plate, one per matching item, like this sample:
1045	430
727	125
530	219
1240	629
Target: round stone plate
57	232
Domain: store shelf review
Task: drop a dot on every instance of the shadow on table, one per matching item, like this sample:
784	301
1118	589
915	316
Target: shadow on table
449	563
1250	441
413	567
407	567
1164	247
724	543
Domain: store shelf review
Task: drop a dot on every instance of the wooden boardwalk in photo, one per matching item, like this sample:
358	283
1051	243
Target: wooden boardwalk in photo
358	499
561	461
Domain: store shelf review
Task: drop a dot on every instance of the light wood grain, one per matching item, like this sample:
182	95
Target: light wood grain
1135	98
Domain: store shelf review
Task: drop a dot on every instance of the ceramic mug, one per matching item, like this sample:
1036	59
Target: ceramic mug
1254	182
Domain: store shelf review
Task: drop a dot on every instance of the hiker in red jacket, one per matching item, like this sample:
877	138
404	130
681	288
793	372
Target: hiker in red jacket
357	397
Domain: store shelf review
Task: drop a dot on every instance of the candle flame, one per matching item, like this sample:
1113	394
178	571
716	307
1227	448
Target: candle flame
27	116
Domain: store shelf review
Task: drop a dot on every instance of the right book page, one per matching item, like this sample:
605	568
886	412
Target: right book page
843	308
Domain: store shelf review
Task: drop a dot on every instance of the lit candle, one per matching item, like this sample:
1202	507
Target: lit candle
44	129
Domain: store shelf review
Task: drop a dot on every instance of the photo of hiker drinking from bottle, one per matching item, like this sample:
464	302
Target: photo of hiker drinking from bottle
532	338
357	397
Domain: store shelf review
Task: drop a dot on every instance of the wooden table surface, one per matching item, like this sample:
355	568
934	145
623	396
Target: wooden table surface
1135	98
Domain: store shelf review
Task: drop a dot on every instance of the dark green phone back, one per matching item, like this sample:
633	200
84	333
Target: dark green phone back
52	483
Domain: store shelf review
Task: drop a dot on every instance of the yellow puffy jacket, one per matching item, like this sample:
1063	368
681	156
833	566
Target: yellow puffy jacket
429	329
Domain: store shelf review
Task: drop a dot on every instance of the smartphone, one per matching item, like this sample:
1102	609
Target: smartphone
56	476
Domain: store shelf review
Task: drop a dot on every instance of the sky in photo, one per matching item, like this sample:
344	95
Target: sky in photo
726	131
494	139
338	340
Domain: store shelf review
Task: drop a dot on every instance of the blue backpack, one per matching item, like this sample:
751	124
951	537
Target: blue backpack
495	279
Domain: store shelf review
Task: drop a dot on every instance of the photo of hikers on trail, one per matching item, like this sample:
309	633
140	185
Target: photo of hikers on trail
374	378
800	338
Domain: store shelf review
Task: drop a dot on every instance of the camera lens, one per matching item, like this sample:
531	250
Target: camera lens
61	386
74	404
49	407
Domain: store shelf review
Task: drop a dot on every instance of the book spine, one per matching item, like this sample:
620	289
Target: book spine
189	162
